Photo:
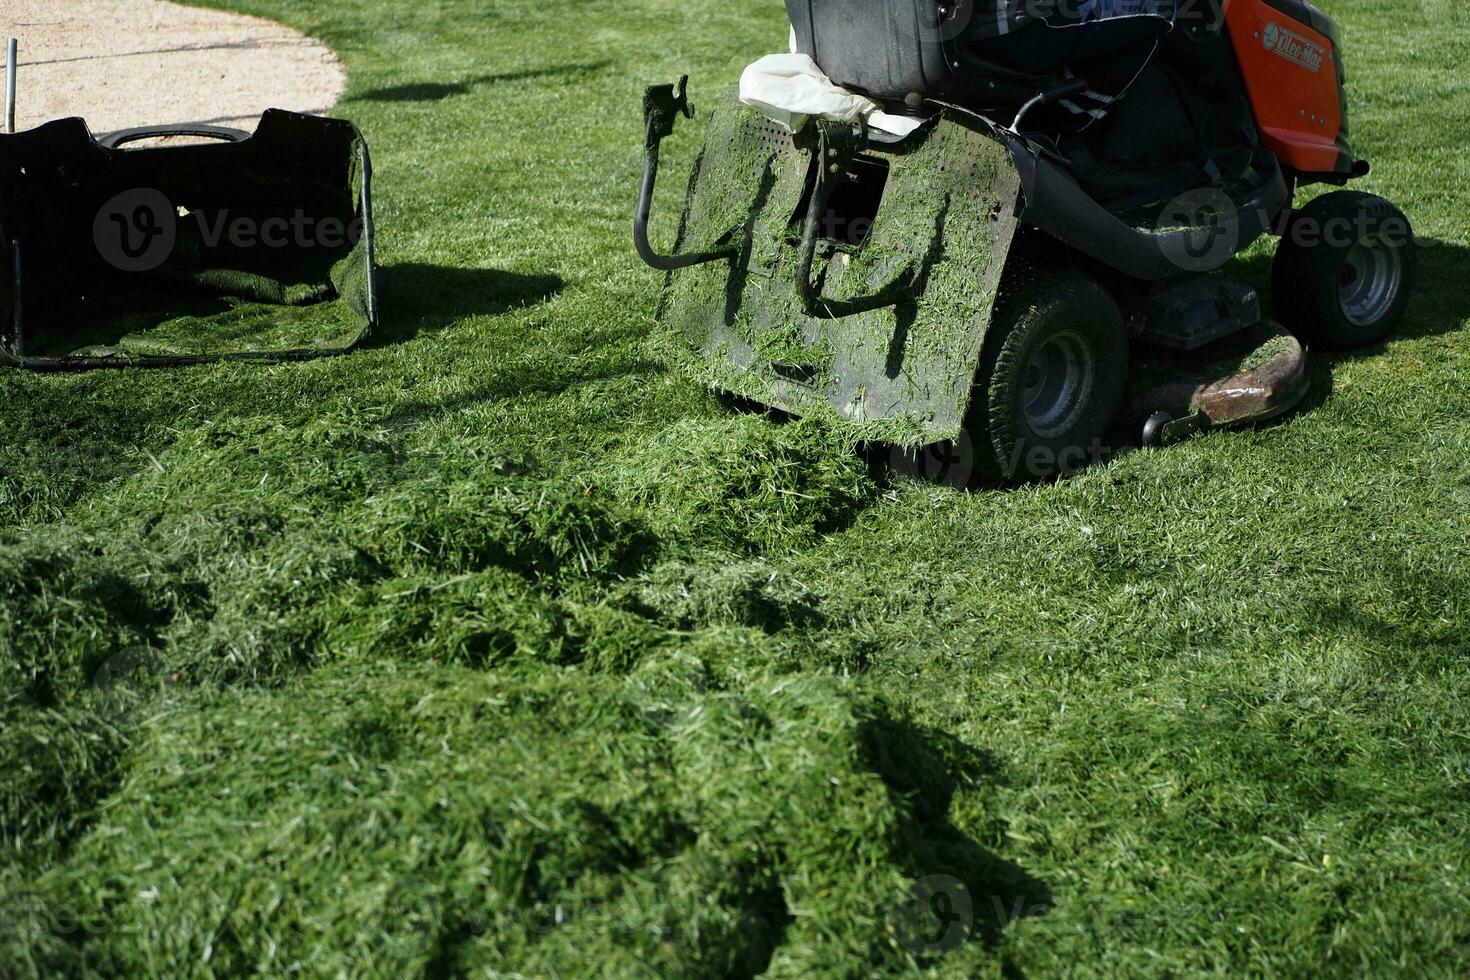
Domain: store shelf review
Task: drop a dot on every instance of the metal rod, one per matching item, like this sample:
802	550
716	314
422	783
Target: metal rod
661	110
18	322
10	57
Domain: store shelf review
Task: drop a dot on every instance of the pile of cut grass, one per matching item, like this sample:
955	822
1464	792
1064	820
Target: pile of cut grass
455	821
744	484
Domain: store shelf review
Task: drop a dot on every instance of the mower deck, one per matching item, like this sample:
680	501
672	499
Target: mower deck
1253	376
921	229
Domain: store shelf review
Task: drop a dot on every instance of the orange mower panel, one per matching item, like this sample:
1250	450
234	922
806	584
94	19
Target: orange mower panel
1291	76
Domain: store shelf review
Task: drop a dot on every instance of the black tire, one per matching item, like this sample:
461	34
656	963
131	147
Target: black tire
1051	380
1344	270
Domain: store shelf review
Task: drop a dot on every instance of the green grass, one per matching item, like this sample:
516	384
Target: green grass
502	648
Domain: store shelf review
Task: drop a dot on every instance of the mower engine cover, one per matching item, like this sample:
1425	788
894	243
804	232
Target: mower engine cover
258	247
874	306
1291	59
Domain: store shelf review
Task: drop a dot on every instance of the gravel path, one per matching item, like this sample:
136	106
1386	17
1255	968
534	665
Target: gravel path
120	63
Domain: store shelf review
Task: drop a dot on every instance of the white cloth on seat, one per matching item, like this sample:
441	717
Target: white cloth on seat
897	125
790	90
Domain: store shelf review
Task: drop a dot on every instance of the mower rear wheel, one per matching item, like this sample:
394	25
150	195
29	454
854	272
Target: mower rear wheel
1052	378
1344	270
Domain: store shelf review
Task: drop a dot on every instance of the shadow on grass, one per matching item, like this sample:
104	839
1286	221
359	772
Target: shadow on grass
925	767
419	298
438	91
1440	305
1441	301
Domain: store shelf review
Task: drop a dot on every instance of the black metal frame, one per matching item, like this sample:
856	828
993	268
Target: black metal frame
829	174
662	107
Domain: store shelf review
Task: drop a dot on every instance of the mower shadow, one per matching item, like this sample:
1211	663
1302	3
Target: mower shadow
1441	300
925	768
438	91
419	298
1440	305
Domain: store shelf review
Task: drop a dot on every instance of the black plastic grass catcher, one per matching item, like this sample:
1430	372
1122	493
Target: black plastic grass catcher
246	247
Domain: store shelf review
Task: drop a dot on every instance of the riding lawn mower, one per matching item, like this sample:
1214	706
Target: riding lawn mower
1027	262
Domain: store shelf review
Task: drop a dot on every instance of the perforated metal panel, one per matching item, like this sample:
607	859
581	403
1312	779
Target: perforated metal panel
901	373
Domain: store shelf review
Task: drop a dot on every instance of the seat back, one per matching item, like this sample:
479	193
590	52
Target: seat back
883	48
988	53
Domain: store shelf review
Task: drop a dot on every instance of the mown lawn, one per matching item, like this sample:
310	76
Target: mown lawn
500	648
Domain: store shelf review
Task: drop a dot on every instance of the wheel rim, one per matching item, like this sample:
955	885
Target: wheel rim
1059	378
1368	283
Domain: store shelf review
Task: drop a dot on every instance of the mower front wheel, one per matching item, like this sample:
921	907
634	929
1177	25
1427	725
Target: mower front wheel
1344	270
1052	377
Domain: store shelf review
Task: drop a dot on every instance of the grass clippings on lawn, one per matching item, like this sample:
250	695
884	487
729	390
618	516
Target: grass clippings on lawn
501	647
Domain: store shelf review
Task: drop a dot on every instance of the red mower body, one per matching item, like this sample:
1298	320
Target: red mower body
1291	62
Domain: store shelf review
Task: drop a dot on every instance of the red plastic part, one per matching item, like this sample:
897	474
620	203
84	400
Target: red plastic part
1291	76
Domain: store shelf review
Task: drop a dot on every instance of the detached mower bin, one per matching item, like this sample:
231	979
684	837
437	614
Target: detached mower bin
253	246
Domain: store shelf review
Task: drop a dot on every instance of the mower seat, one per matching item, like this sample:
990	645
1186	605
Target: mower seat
981	53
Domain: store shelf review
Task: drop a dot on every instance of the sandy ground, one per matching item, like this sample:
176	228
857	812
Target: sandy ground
121	63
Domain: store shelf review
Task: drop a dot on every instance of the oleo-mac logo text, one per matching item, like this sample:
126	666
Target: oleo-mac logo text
1292	46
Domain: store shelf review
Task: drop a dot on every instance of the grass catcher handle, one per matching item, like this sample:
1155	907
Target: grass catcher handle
123	136
812	304
662	107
